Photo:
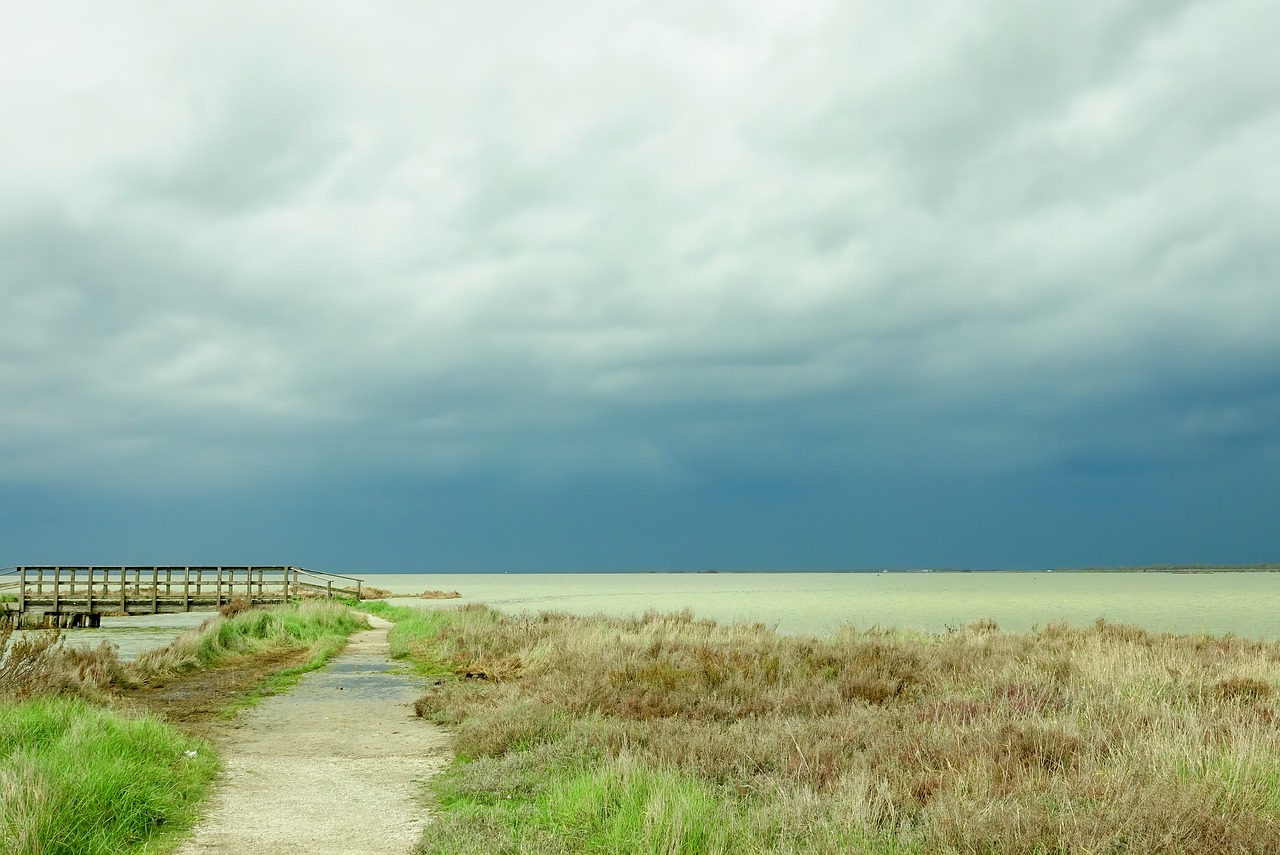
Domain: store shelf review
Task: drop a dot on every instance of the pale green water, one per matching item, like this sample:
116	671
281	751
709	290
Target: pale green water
136	633
1246	604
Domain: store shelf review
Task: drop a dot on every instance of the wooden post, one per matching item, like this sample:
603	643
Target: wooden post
89	589
22	591
155	590
219	587
186	589
57	583
359	590
259	583
331	589
168	581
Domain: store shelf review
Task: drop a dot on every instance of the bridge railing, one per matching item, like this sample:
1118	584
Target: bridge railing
133	586
313	582
10	584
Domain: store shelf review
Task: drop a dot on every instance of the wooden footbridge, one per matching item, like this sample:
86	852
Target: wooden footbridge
66	596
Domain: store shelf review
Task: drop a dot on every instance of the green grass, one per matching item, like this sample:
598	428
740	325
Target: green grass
390	612
413	631
665	733
321	627
78	779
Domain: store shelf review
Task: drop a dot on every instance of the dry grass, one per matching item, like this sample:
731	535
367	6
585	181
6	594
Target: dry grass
236	605
322	626
1100	739
38	663
369	592
438	595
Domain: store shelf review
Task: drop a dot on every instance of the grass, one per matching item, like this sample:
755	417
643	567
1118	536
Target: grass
40	664
664	733
79	779
320	626
369	592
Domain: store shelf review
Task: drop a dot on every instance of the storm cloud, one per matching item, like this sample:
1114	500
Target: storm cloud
536	286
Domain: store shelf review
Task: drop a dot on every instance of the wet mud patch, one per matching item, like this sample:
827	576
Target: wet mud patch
195	701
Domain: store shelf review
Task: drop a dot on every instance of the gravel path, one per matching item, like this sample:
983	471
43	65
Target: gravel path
335	764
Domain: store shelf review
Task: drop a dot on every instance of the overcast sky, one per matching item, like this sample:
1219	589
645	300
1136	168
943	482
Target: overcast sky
636	285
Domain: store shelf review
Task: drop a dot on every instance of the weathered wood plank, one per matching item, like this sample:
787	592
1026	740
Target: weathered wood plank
60	595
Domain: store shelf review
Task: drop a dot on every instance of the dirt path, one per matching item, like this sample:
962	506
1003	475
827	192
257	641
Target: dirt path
336	764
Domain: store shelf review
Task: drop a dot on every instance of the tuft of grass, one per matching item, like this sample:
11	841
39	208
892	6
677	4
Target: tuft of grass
38	663
600	734
321	626
369	592
29	665
372	592
78	779
438	595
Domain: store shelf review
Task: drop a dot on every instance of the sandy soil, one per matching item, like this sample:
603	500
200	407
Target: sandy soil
336	764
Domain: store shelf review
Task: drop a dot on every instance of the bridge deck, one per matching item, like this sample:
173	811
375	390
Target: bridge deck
79	596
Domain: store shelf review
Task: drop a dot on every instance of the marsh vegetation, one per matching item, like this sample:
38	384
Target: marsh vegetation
665	733
82	770
372	592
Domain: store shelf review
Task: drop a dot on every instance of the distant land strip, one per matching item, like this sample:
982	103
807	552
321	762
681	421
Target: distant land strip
1142	568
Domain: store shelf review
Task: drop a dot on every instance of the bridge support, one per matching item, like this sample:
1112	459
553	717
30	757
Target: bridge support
41	619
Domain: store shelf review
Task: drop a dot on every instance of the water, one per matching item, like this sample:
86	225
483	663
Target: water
1246	604
136	633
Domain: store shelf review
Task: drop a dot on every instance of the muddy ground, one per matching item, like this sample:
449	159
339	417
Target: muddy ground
195	702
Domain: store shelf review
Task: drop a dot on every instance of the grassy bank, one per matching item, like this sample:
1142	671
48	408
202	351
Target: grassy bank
320	627
669	734
79	779
81	773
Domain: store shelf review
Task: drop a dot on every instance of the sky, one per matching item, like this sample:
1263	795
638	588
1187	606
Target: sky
612	286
